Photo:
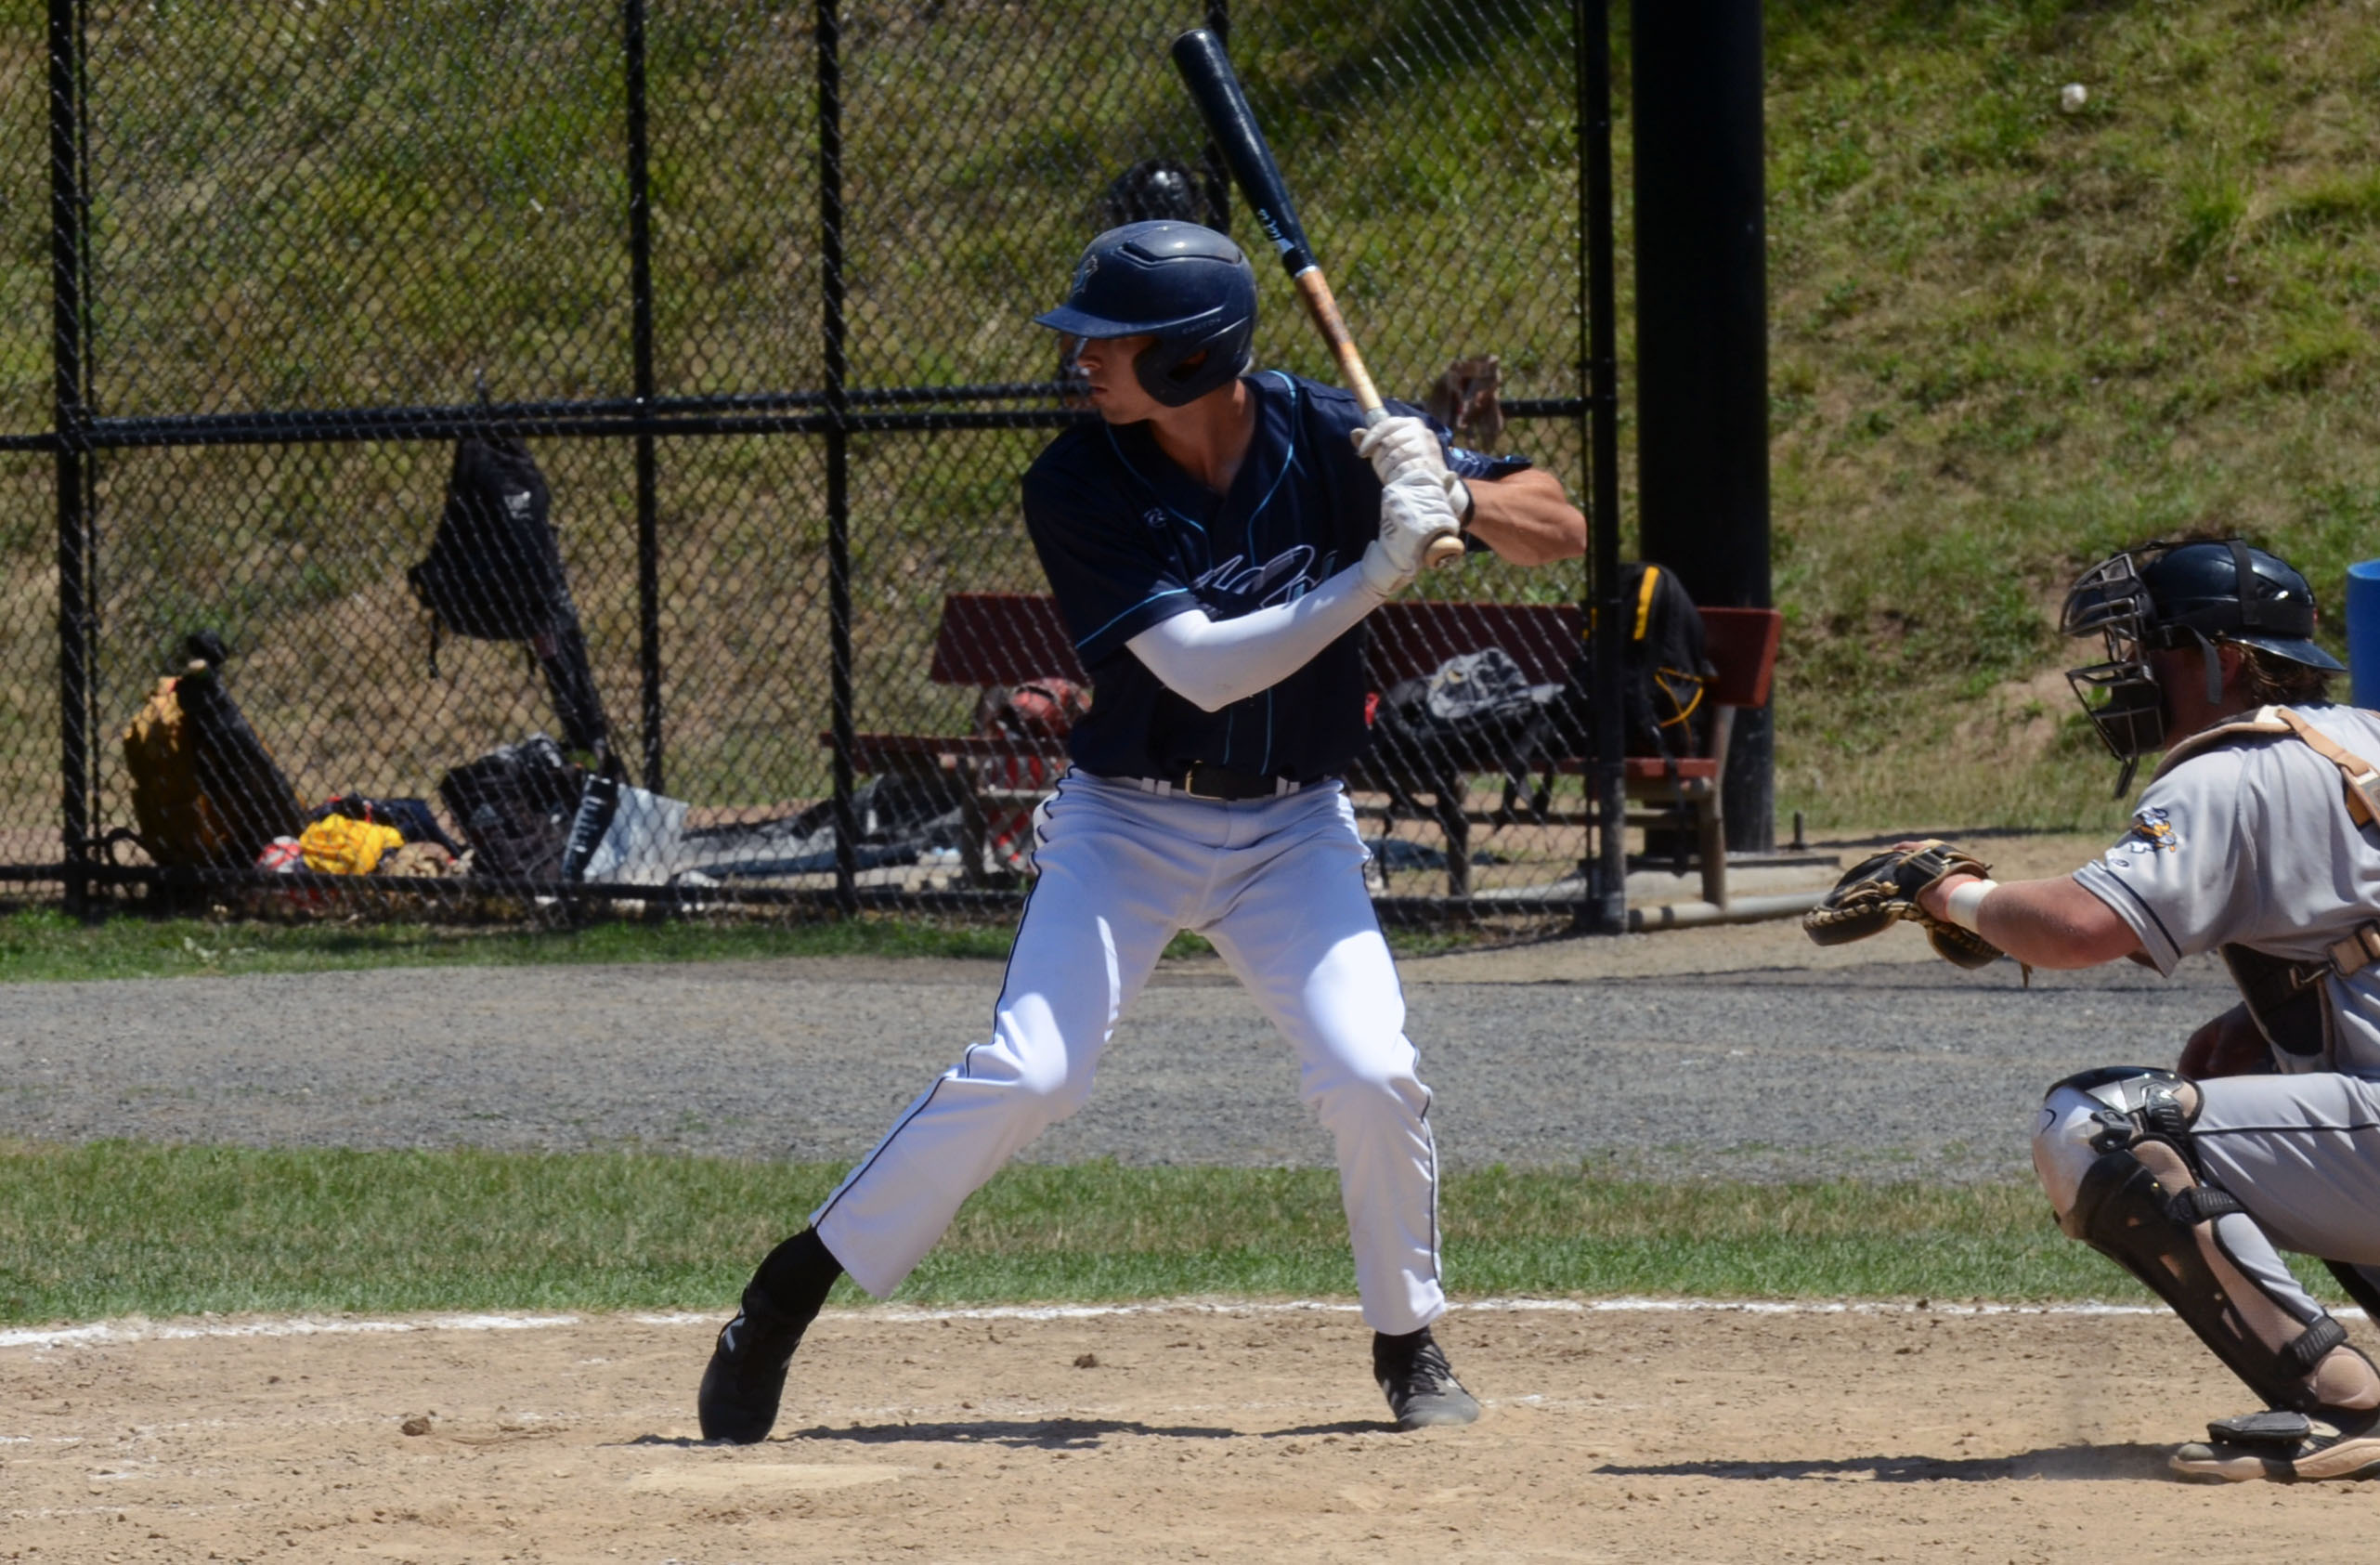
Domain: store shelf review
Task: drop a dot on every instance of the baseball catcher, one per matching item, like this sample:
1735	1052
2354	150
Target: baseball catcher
2255	838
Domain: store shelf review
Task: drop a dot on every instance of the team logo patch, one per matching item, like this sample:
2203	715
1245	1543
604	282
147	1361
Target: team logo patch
1153	519
2152	832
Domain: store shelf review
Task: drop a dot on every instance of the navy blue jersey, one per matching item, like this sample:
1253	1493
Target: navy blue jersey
1128	541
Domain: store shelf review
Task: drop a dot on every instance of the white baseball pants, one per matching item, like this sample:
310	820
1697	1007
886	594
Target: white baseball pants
1277	886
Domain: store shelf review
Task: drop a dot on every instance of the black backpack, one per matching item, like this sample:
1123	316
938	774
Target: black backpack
1473	712
515	805
494	573
1665	672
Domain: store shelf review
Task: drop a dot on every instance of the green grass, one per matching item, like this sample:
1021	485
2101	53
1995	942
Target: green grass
2008	338
41	945
116	1228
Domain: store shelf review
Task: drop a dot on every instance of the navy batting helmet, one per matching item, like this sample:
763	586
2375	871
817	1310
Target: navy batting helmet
1185	285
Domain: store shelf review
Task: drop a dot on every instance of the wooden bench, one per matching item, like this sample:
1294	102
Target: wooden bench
1411	637
999	639
985	640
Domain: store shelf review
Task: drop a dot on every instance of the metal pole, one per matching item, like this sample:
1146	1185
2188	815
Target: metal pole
838	517
648	510
1605	907
1702	334
69	406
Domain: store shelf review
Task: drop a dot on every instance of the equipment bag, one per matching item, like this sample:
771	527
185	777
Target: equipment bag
344	845
1665	672
494	572
205	793
1665	676
515	805
1475	712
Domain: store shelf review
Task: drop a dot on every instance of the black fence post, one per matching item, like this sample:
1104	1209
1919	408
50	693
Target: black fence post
648	525
69	344
839	499
1606	907
1702	335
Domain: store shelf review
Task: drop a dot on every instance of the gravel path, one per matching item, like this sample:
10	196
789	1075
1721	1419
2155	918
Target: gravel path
1883	1070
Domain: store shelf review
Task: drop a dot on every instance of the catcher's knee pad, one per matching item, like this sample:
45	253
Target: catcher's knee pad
2088	1114
2112	1151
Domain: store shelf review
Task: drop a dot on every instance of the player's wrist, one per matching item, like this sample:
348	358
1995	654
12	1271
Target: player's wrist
1962	900
1383	577
1459	495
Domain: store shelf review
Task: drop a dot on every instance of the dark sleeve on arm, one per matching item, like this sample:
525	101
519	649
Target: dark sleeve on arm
1110	579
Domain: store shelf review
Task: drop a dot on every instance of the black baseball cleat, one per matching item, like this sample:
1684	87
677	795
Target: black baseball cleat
744	1379
2283	1447
1419	1383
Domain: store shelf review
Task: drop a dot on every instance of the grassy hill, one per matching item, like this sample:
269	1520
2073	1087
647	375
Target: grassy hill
2007	336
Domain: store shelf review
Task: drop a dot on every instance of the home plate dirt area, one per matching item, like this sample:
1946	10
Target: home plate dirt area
1180	1431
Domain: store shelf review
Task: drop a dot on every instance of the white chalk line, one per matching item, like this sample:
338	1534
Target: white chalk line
111	1333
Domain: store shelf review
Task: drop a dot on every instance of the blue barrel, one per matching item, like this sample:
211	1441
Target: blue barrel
2363	631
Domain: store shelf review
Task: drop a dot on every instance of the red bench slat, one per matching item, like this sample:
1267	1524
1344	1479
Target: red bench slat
1003	638
1742	644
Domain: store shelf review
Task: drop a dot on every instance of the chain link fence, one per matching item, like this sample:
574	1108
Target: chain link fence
323	314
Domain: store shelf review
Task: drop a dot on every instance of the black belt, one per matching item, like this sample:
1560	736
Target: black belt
1203	780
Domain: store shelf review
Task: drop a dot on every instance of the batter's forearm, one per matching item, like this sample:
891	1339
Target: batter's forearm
1212	663
1526	518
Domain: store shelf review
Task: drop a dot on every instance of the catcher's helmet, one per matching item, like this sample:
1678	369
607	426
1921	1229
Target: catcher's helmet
1186	286
1151	188
2177	594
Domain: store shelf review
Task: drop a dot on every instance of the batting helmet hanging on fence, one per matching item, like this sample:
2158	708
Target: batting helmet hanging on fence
1185	285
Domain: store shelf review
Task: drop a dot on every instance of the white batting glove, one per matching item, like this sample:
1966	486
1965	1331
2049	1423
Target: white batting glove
1397	446
1414	510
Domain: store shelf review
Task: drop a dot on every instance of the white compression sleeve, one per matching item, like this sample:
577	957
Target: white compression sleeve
1212	663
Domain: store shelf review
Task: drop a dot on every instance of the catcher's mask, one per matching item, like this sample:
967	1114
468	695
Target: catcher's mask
2163	595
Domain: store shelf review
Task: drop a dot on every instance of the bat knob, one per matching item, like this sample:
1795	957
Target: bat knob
1444	550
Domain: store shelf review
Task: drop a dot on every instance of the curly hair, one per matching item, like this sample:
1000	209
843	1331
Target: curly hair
2271	680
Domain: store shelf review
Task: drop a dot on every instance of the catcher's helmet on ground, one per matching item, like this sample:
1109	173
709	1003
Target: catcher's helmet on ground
2181	594
1185	285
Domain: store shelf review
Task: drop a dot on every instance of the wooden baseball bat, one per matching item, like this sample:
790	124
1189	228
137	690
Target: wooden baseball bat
1215	87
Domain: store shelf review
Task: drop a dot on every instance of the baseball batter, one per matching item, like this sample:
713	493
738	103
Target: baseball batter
2256	839
1214	544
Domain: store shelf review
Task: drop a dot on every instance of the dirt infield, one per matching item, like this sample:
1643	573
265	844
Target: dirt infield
1174	1434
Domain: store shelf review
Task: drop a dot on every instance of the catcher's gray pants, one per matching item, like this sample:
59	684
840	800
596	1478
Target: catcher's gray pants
1277	885
2302	1153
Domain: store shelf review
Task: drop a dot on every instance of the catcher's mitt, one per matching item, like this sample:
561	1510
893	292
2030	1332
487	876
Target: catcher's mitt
1875	892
